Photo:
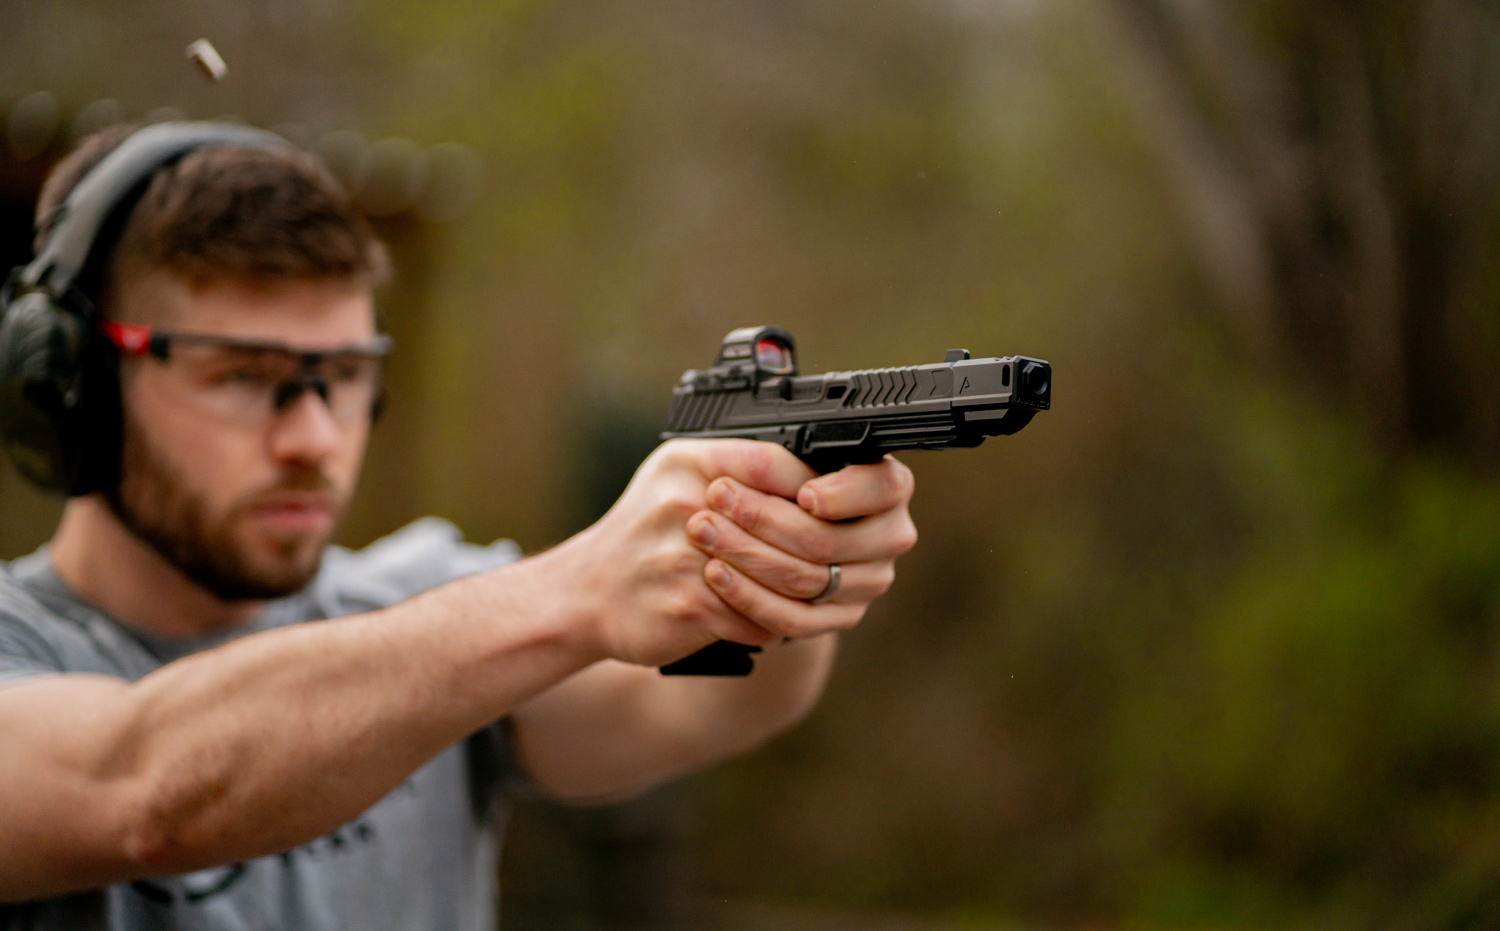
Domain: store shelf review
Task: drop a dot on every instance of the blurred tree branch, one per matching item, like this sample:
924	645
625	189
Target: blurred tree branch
1337	168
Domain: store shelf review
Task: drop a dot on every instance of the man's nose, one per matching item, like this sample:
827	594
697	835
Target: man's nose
303	428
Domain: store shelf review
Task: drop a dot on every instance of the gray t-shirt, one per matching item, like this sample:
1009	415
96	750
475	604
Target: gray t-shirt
424	857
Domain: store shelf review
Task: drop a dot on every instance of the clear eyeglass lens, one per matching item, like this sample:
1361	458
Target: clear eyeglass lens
243	384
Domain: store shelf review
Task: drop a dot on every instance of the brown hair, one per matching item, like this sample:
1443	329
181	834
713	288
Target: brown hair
229	212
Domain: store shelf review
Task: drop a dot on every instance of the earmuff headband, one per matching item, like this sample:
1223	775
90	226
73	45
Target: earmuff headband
75	226
60	418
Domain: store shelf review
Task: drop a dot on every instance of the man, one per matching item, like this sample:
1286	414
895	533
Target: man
209	718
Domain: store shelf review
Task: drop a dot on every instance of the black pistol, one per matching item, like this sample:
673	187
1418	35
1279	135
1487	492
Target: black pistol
753	391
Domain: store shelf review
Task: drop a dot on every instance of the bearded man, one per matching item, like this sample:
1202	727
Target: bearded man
210	717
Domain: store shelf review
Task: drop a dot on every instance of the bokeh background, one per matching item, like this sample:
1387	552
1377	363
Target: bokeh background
1213	644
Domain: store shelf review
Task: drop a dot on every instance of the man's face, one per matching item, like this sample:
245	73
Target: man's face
243	506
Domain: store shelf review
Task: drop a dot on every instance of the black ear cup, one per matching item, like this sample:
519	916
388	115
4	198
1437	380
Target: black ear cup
53	417
41	385
60	417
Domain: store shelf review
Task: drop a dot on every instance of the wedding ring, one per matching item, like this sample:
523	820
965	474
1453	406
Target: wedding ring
835	576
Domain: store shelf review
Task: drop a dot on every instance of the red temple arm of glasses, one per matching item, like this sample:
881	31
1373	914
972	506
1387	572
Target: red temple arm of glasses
133	339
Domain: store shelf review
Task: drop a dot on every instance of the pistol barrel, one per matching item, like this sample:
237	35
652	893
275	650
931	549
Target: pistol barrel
845	417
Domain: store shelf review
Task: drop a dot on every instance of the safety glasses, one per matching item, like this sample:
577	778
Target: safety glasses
249	382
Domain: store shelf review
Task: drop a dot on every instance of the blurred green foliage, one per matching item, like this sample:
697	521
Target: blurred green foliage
1211	644
1324	742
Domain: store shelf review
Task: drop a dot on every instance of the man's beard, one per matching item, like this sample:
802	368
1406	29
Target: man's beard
154	502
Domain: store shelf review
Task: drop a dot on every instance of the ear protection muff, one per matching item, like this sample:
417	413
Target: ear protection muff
59	376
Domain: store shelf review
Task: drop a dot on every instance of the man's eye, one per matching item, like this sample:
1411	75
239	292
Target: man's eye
252	378
346	371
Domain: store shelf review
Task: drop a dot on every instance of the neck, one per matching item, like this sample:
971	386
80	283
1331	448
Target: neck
120	574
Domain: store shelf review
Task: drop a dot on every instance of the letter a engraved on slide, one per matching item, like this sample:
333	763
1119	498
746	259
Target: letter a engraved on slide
965	386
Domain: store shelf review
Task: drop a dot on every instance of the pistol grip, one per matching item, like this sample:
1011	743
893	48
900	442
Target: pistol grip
725	657
720	658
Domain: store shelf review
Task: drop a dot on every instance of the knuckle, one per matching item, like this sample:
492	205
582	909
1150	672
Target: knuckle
749	511
745	631
758	464
889	482
848	617
821	548
746	459
733	541
807	581
748	603
686	561
676	452
729	586
683	608
676	564
900	480
759	636
906	536
818	619
663	453
885	577
778	623
679	507
741	600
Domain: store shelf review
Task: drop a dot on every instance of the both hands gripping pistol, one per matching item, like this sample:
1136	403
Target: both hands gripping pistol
753	391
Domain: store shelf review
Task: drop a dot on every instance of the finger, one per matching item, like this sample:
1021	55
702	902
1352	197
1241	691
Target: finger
781	572
782	616
766	467
858	490
786	526
694	609
728	624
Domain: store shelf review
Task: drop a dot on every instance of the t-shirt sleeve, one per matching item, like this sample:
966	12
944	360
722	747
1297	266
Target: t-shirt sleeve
23	651
422	555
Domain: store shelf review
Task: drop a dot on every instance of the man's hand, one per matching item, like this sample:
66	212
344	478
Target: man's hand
280	736
771	555
713	539
726	539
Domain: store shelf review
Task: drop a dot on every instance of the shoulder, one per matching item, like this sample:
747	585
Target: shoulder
424	554
31	635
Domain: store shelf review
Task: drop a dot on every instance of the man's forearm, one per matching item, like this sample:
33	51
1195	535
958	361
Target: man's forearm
615	729
278	737
269	741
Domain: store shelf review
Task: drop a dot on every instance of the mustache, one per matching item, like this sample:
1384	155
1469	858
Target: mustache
296	482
